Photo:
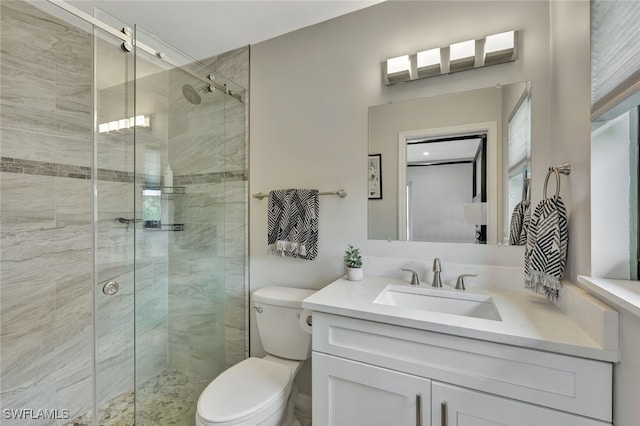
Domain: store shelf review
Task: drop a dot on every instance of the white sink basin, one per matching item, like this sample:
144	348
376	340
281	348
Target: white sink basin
437	300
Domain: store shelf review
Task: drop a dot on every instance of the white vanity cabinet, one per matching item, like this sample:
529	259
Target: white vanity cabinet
456	406
355	393
370	373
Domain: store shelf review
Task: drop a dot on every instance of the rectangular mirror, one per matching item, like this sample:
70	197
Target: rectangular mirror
454	165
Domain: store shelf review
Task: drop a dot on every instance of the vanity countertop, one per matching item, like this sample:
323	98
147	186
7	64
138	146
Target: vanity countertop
528	319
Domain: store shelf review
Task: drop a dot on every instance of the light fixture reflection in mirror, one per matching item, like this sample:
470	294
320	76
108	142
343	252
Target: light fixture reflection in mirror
501	113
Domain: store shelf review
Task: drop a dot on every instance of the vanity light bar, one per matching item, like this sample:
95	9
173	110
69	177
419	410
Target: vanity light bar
490	50
499	48
398	69
463	50
428	62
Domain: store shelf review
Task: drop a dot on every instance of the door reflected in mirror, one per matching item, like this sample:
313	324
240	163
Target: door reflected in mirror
455	165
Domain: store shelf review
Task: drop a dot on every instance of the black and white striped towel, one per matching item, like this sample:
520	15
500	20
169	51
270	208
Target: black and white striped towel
520	220
546	252
293	223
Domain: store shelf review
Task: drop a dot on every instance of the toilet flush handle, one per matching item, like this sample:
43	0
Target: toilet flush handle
258	309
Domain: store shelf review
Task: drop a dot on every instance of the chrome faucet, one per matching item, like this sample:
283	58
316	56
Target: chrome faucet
415	280
460	281
437	282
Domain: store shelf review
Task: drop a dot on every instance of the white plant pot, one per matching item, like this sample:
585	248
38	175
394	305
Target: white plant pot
354	274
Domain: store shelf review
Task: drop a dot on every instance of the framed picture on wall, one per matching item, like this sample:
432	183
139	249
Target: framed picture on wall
374	172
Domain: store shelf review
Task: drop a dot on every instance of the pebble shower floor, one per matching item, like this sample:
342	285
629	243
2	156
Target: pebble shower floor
167	399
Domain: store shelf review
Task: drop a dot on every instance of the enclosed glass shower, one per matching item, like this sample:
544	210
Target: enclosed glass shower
123	290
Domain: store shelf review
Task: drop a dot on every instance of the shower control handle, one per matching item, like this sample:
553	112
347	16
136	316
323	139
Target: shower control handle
111	288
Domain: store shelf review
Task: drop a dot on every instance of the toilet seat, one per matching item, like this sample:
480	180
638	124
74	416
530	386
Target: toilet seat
254	388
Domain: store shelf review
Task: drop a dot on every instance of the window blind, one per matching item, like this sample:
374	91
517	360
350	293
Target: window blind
615	53
519	135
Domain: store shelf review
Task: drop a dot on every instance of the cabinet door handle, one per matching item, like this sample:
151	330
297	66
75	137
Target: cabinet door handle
443	413
418	410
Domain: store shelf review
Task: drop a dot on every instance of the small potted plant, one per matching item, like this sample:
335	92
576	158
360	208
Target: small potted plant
353	262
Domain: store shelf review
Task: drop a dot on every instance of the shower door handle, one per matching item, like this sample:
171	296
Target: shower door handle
111	288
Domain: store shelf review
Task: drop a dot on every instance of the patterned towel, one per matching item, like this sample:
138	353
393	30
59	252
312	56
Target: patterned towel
293	223
520	220
546	252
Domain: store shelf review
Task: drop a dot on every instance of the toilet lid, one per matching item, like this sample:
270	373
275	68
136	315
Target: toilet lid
243	389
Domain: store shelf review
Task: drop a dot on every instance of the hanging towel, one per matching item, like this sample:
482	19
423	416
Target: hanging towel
520	220
546	252
293	223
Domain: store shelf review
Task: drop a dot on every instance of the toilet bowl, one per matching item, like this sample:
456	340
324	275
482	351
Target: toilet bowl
253	392
256	391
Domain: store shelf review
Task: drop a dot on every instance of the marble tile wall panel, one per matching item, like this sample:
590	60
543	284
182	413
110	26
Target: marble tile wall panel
196	292
235	66
219	205
116	336
151	334
115	332
115	244
48	119
46	113
45	279
234	144
198	152
46	257
115	240
196	132
115	151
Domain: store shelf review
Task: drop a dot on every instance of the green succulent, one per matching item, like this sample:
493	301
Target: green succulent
352	257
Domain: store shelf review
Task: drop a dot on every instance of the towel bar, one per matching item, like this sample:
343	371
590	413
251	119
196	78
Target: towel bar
340	193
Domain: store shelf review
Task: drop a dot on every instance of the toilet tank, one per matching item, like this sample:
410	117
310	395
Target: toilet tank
278	316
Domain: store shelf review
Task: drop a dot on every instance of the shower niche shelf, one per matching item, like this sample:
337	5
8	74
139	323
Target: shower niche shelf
167	190
163	227
163	207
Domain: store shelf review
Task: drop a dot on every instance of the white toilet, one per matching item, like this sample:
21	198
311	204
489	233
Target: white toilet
256	391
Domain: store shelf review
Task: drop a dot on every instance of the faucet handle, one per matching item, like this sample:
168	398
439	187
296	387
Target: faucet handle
460	281
415	280
436	265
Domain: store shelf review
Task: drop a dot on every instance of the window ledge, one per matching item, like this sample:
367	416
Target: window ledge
622	294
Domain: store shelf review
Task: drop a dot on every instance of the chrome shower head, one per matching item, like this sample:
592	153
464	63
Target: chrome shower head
191	94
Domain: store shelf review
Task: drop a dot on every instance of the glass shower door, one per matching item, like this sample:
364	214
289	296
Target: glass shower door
184	240
114	227
170	211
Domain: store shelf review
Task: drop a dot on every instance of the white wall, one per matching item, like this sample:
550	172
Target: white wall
570	142
570	123
310	91
610	190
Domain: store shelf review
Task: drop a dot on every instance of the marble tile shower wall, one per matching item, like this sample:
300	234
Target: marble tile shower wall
207	330
235	65
121	321
46	213
46	226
